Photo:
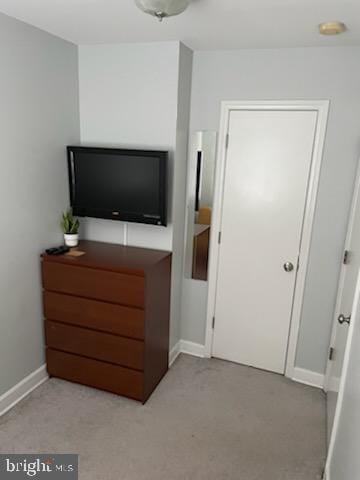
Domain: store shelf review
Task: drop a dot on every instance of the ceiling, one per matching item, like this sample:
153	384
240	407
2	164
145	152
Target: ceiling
205	25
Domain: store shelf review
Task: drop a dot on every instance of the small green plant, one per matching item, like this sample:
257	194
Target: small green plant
69	224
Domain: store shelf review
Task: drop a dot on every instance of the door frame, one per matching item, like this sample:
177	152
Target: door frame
341	282
322	108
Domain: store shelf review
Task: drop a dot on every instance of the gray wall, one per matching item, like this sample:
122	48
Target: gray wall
309	73
137	96
38	117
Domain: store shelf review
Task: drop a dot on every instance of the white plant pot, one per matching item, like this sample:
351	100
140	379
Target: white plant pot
71	240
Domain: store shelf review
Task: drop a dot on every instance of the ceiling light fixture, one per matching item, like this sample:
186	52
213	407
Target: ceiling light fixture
332	28
162	8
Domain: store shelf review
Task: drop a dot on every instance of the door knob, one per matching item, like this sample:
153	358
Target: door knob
342	319
288	267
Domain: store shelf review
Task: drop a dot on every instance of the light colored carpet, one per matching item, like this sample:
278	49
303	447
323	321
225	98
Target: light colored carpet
208	419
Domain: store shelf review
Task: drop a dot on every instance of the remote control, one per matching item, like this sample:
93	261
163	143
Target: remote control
57	250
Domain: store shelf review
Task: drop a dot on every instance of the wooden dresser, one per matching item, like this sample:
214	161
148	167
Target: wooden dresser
107	317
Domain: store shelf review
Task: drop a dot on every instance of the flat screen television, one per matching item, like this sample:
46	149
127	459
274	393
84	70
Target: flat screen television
118	184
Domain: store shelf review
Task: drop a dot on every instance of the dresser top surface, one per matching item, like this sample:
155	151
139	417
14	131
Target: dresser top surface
110	256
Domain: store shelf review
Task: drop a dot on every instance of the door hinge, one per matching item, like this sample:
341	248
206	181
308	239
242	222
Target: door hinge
346	257
219	238
331	353
213	323
227	141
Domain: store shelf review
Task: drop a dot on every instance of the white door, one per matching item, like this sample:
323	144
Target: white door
343	462
347	283
266	179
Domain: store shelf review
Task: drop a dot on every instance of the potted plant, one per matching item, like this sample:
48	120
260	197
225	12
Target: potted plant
70	227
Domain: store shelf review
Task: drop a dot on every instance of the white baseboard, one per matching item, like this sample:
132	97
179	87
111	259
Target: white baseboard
326	474
191	348
307	377
10	398
174	353
184	346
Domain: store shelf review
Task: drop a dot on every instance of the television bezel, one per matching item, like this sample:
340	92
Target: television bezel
119	215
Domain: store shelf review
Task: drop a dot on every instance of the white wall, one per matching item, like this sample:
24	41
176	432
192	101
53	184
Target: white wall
137	96
309	73
38	118
128	98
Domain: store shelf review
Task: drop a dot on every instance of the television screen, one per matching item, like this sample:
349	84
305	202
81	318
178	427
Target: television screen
127	185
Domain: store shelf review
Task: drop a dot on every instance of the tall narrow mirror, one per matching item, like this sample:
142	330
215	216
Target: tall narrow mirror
201	175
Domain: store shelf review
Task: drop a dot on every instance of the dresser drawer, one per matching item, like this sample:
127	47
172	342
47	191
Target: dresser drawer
83	312
105	376
93	283
98	345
